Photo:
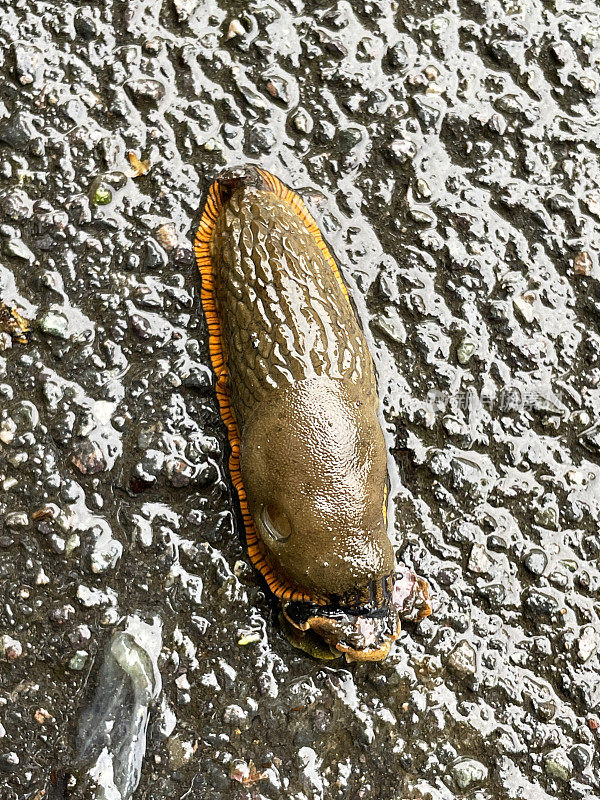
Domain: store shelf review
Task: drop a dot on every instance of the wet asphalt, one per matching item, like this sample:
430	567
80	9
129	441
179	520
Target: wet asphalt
449	152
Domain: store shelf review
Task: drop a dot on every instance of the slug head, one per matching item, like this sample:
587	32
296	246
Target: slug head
362	627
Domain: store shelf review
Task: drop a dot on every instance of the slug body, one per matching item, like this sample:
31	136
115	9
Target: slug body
297	391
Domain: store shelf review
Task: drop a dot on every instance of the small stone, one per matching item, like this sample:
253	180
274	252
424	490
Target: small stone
348	139
78	661
10	649
8	761
523	305
260	139
88	458
85	24
27	62
16	519
92	598
18	249
587	643
423	190
335	48
41	579
539	603
391	323
465	351
558	765
547	517
235	29
183	683
105	556
447	576
463	659
235	715
154	255
18	130
588	84
497	124
180	752
184	8
146	90
582	264
54	323
397	55
102	195
495	594
536	562
61	615
302	121
42	716
166	236
428	114
580	757
479	560
71	544
403	150
180	474
467	773
212	144
278	89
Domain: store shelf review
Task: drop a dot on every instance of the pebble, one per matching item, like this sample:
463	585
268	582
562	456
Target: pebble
391	323
92	598
18	130
463	659
479	560
10	649
17	519
167	236
582	264
88	458
465	351
18	249
587	643
302	121
146	90
79	660
557	765
524	306
235	28
102	195
154	255
538	603
468	773
236	715
54	323
536	562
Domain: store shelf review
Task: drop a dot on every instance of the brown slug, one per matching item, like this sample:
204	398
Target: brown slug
297	392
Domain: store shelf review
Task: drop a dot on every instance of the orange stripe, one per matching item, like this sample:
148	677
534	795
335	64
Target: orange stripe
213	207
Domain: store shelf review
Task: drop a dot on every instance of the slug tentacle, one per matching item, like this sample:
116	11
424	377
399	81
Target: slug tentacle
297	392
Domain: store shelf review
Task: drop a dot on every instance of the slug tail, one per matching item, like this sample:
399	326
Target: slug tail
218	194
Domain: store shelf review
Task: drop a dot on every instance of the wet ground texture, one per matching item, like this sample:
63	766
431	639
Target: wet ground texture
450	154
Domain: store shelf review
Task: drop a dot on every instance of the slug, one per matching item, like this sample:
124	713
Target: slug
297	392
